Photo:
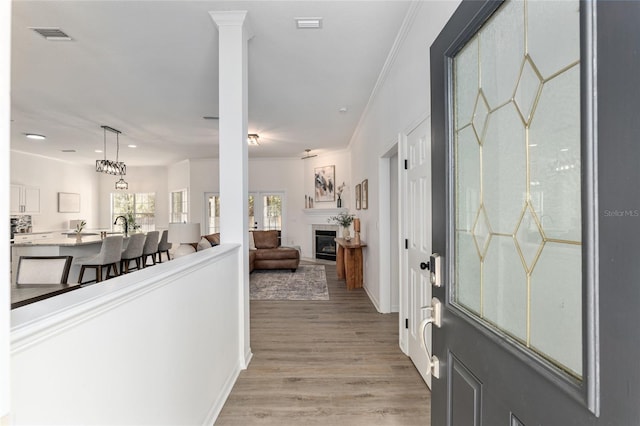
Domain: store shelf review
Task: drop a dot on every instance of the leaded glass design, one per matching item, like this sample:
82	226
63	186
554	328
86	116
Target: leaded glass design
517	205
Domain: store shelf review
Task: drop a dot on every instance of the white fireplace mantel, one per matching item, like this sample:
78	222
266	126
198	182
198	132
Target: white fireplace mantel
322	215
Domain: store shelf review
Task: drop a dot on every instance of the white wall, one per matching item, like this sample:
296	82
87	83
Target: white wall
89	357
342	161
5	138
401	101
53	176
204	176
178	176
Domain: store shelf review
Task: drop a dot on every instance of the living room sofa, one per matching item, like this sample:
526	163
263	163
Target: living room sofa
265	251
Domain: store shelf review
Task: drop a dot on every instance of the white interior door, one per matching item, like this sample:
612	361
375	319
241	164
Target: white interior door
419	242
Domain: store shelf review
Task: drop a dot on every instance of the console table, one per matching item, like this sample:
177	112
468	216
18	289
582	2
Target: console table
349	262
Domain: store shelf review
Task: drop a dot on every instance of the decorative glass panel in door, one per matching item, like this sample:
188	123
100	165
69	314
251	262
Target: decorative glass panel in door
517	180
272	212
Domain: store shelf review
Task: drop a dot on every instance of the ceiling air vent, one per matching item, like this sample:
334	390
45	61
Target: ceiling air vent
52	34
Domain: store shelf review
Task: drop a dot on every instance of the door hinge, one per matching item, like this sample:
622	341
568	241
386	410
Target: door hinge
406	243
406	164
406	323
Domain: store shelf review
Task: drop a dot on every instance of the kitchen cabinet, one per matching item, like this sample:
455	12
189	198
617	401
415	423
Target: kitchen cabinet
25	199
28	238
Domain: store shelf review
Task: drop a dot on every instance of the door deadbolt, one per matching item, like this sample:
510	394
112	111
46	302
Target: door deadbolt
424	265
435	268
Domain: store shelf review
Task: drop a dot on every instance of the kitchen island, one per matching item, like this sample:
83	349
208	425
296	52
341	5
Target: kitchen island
61	245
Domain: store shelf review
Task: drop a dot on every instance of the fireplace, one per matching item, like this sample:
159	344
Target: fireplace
325	246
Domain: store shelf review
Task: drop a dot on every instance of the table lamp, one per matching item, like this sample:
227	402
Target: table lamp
184	234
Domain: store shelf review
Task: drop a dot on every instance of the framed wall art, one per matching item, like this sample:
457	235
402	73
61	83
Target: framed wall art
358	196
324	183
68	202
365	194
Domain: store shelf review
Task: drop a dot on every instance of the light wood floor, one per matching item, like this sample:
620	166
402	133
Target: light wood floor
333	362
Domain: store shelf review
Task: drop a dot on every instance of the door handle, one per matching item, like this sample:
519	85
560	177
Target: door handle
435	318
424	265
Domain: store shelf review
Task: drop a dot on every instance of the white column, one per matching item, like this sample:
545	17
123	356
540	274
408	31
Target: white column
233	153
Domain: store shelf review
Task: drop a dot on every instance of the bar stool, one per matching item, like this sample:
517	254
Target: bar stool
164	245
109	256
150	247
132	252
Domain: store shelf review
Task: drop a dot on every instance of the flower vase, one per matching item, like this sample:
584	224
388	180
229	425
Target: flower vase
78	237
345	233
339	204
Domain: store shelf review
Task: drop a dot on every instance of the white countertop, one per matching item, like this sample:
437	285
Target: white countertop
62	240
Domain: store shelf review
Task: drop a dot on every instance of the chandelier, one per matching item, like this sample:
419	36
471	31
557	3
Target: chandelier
108	166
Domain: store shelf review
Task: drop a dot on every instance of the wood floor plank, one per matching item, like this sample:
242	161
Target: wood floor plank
334	362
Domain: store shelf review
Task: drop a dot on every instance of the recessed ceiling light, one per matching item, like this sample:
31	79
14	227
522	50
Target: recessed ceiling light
132	146
98	151
564	149
308	23
35	136
342	110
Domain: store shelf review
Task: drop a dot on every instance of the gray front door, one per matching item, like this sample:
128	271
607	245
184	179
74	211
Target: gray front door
536	214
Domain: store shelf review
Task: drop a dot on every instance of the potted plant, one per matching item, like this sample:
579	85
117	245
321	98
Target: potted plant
131	221
343	219
79	227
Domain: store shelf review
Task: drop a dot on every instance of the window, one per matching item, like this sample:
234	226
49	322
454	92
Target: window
179	206
272	212
265	211
213	213
139	209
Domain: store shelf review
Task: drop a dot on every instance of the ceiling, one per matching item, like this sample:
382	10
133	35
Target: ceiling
150	70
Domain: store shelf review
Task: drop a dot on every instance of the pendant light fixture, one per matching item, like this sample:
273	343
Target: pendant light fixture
122	184
108	166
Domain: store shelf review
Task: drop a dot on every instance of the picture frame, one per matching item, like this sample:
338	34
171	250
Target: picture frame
68	202
365	194
358	195
324	183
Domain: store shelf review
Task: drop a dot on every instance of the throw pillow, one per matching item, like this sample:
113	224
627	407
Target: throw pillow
203	244
213	238
252	243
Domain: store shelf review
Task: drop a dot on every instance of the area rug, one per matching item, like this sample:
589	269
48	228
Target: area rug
309	282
